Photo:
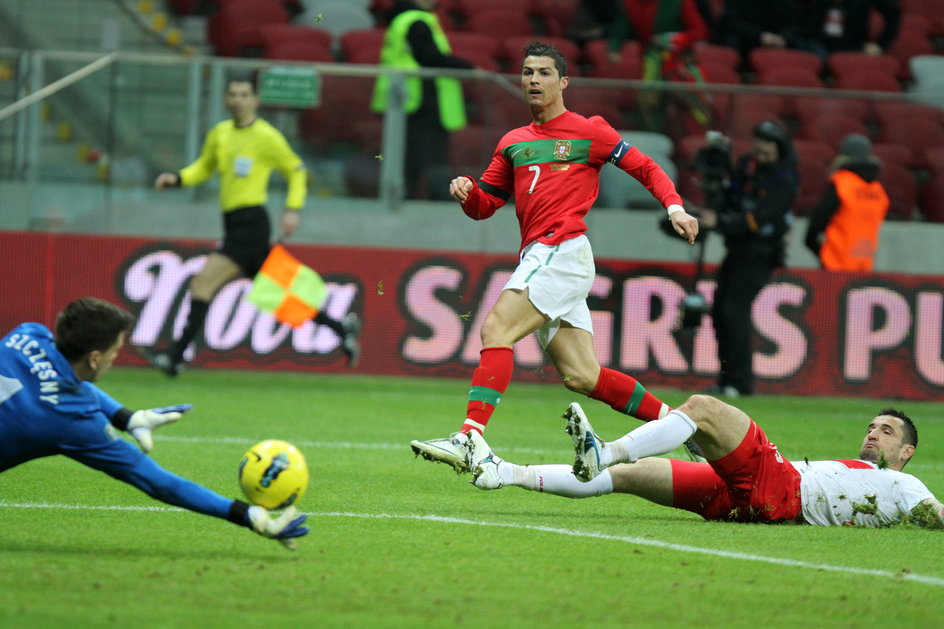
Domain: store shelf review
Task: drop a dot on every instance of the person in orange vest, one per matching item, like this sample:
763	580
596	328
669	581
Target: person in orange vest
844	228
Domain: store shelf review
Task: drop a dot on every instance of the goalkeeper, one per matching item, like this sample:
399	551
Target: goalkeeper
48	405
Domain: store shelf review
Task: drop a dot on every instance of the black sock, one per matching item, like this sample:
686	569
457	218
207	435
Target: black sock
323	319
195	319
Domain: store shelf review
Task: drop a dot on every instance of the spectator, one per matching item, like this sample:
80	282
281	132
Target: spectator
435	107
755	217
747	25
828	26
667	30
844	228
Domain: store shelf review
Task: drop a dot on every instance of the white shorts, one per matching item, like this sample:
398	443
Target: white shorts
558	279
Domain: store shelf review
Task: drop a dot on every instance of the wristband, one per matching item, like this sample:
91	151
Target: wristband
674	208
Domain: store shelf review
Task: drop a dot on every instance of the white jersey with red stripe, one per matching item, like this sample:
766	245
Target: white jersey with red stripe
856	492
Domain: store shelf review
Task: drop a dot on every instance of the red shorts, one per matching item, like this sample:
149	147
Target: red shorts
754	483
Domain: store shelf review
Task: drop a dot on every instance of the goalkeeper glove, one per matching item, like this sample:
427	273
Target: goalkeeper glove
284	528
142	423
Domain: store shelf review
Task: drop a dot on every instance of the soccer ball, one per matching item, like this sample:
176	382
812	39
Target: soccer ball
273	474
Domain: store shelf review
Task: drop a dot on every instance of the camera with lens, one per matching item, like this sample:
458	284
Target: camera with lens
691	309
713	163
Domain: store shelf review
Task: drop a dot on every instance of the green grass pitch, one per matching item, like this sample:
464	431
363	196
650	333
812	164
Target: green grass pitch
398	542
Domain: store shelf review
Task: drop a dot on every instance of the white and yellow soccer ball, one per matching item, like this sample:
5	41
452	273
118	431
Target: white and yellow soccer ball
273	474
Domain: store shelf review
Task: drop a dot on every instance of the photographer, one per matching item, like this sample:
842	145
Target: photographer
753	213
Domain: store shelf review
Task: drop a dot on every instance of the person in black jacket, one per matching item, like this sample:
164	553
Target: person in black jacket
755	217
828	26
746	25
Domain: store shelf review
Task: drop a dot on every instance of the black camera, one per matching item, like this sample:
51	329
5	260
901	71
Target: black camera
713	163
691	309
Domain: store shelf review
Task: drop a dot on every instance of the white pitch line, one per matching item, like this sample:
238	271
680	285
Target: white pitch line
637	541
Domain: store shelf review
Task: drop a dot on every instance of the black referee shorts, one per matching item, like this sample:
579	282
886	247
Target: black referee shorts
246	234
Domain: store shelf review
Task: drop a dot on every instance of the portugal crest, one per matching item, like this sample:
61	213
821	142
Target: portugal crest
562	149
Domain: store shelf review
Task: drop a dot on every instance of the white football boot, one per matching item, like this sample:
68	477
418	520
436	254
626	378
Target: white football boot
483	463
449	450
587	445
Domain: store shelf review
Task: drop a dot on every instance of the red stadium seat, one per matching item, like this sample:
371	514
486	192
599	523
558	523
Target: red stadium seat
928	9
814	150
869	81
719	74
813	174
300	51
468	8
555	15
906	46
832	129
465	44
931	198
362	44
722	55
236	26
471	148
807	108
892	153
918	134
766	59
902	189
727	107
282	33
843	63
507	23
888	111
343	99
629	65
789	76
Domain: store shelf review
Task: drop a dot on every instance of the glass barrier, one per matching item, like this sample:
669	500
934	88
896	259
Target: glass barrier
77	160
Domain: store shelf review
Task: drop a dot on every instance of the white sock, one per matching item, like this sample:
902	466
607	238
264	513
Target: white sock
554	479
653	438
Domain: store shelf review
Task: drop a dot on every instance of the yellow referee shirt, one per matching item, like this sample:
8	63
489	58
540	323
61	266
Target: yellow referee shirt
245	157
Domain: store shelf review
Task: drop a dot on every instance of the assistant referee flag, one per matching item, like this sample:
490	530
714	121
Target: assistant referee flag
291	291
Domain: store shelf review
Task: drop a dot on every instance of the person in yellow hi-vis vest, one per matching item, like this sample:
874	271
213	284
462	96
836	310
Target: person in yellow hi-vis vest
844	227
434	107
243	150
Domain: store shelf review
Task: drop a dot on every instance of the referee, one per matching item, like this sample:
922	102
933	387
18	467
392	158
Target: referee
243	150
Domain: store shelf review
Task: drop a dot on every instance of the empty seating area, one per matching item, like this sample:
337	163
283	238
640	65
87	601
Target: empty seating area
491	33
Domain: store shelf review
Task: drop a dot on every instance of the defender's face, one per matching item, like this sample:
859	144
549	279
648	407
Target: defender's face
241	101
540	82
884	442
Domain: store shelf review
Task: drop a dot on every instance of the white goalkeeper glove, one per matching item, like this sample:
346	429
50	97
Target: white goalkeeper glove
284	528
143	423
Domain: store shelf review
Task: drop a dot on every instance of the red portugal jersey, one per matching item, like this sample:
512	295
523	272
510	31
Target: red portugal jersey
553	171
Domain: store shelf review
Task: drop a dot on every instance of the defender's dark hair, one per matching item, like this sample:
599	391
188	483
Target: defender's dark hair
911	432
540	49
90	324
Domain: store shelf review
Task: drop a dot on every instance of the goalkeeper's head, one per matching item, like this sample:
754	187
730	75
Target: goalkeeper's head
89	334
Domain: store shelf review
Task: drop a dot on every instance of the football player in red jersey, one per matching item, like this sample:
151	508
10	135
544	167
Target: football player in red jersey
552	168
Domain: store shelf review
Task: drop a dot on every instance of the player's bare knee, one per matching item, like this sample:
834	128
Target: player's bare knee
702	409
578	383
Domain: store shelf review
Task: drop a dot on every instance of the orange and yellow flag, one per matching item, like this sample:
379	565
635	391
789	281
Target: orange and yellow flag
291	291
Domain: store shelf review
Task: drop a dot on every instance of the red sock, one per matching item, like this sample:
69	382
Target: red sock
627	396
489	382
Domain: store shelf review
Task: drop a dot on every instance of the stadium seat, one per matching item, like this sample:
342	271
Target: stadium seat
789	76
917	24
843	63
465	44
814	150
902	189
806	108
502	24
906	46
719	73
728	107
721	55
471	148
928	9
466	9
234	28
281	33
588	103
831	129
629	65
362	44
300	51
556	15
766	59
867	80
931	198
597	51
935	158
814	174
918	134
892	153
343	99
888	111
338	18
